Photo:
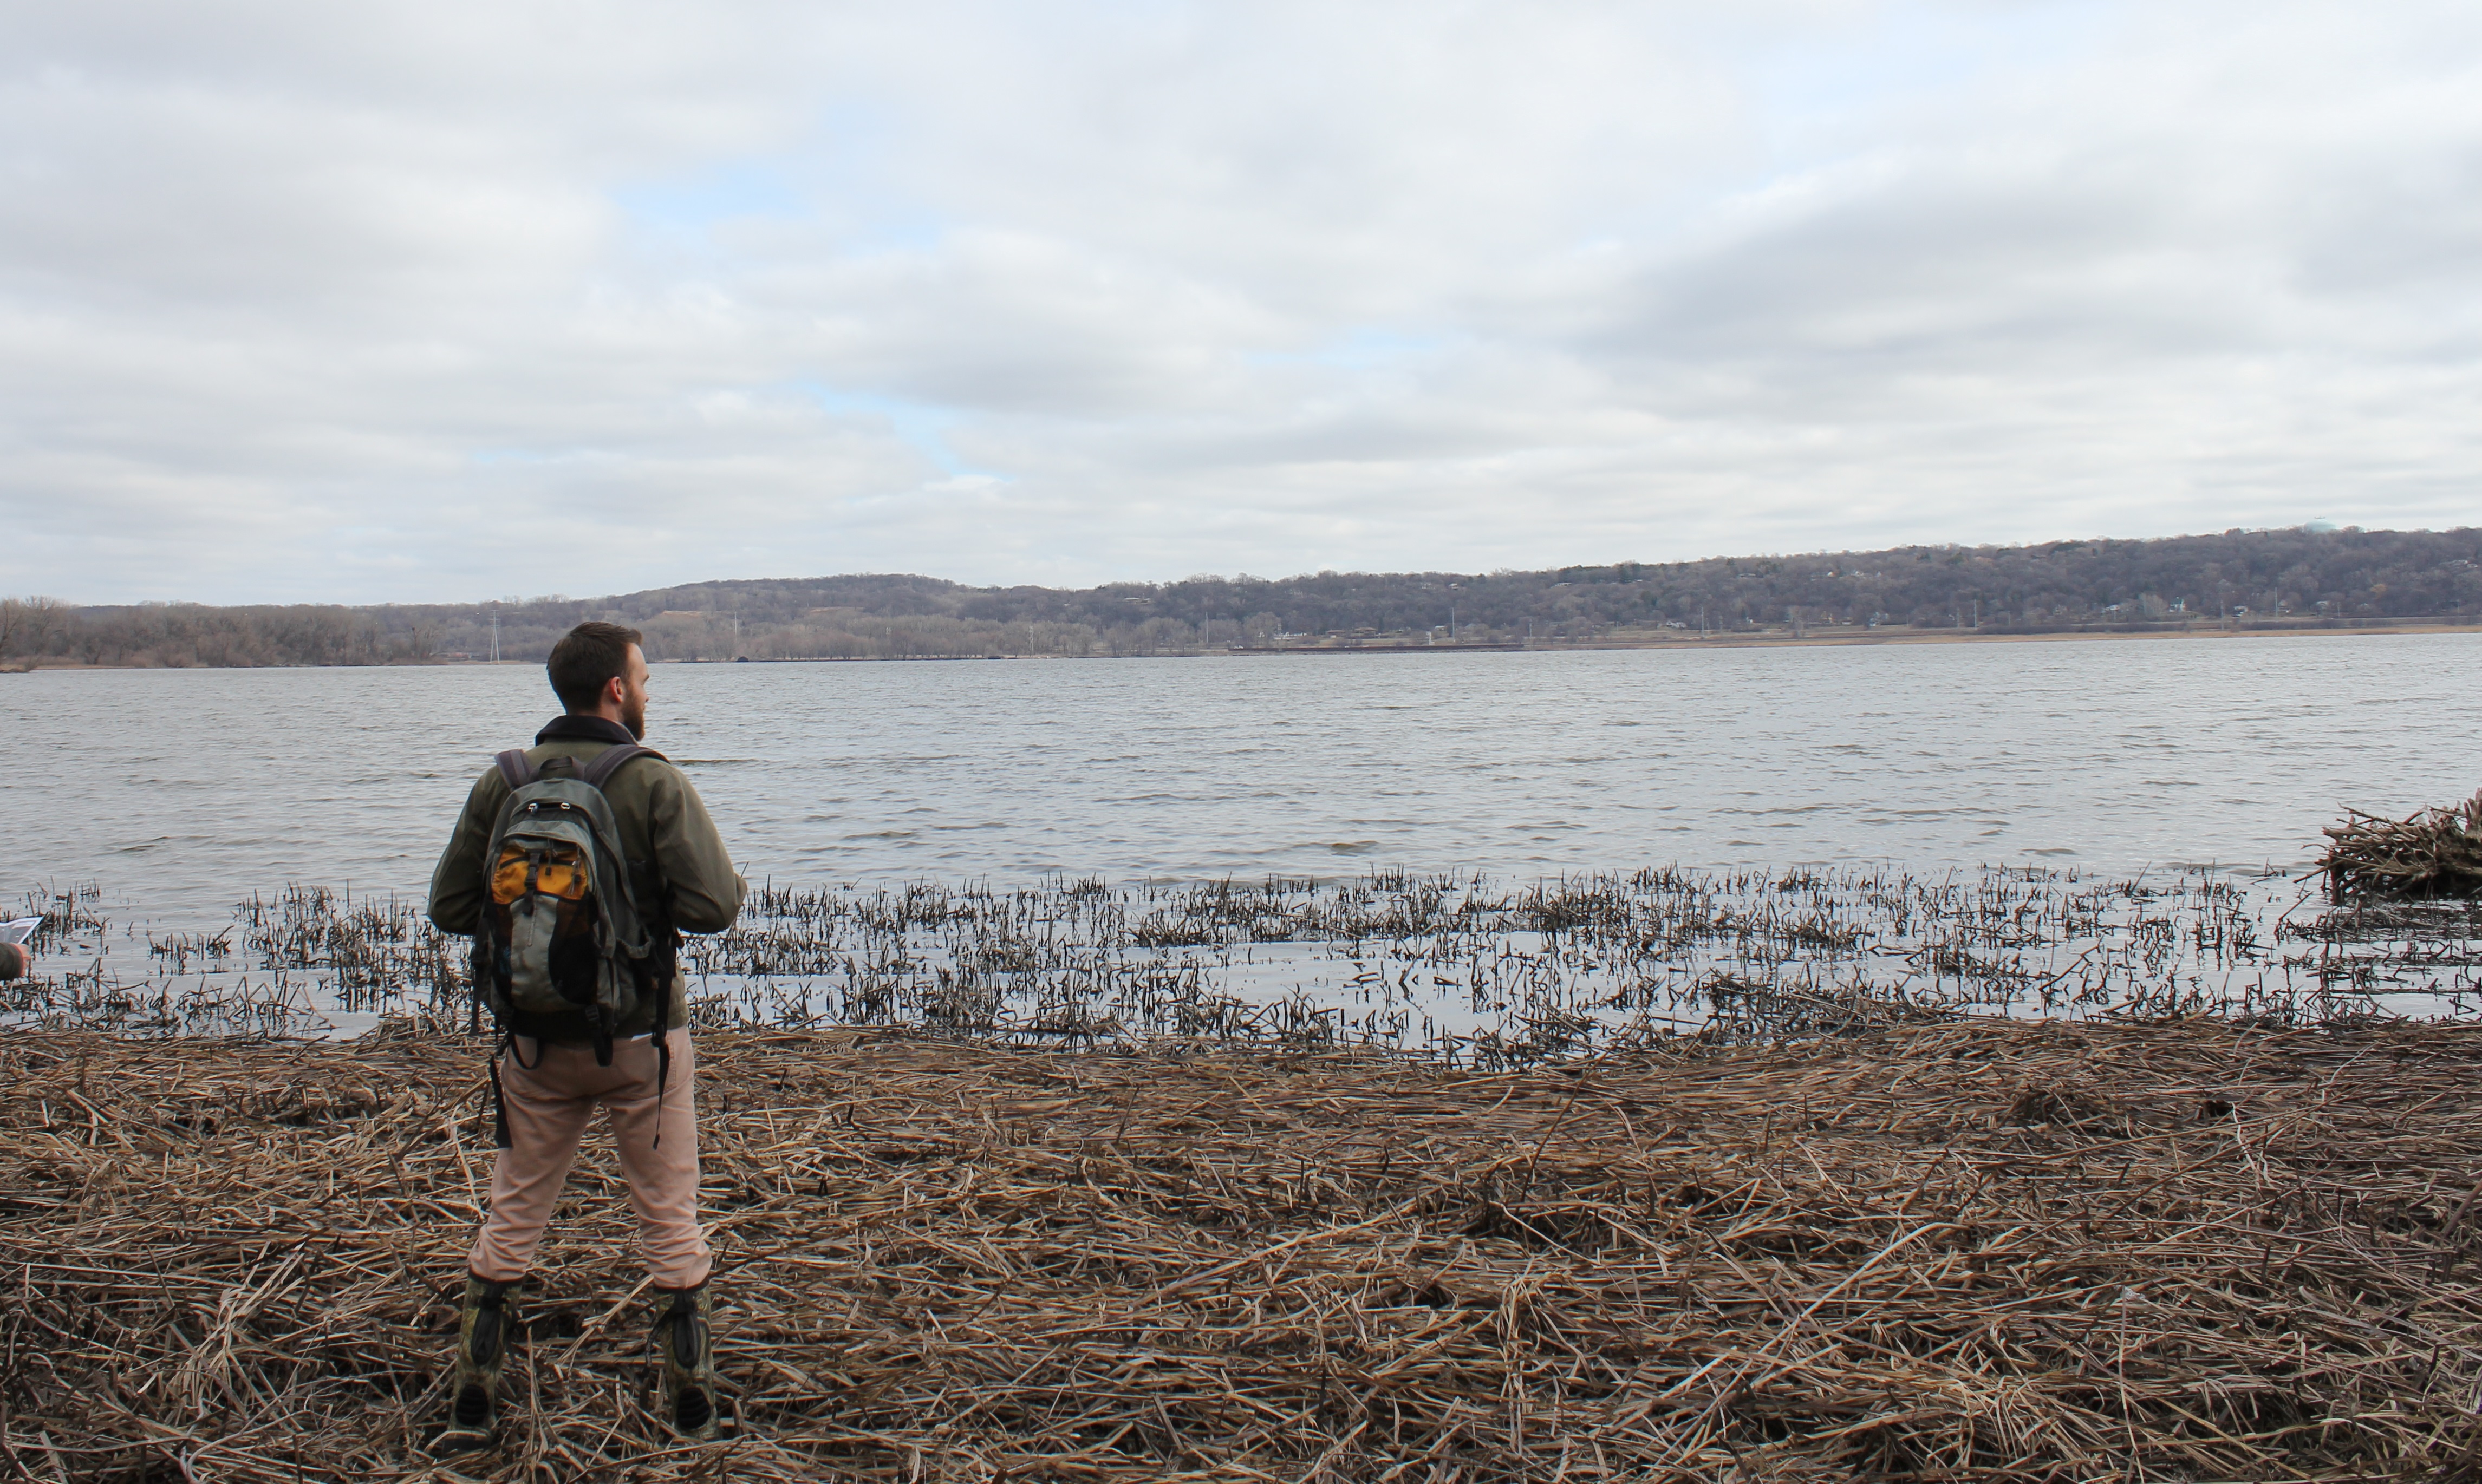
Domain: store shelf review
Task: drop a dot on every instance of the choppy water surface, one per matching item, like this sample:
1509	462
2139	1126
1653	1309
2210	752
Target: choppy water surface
2184	769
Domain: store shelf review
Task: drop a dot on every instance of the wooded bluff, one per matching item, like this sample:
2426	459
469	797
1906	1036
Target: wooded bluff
2291	577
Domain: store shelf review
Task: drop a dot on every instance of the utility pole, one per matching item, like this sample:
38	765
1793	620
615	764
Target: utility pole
495	637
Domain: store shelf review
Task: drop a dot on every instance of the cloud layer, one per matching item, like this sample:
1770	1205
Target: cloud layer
456	301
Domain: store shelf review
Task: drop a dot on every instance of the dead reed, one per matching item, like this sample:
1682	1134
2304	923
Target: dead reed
1986	1250
1463	969
2426	856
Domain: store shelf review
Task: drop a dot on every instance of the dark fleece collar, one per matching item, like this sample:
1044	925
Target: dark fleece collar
584	729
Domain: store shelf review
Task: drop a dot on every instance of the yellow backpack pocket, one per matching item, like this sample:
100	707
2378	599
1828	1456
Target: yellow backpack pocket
559	872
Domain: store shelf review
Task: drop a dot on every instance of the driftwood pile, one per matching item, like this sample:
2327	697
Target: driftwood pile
2426	856
1986	1251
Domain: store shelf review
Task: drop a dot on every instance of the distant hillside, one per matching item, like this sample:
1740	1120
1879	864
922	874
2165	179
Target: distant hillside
2255	576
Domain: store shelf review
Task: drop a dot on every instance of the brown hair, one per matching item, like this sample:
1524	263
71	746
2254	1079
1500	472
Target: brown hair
586	658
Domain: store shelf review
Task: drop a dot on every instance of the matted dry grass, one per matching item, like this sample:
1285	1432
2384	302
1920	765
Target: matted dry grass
1991	1251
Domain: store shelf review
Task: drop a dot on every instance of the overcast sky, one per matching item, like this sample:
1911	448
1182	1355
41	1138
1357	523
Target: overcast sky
461	299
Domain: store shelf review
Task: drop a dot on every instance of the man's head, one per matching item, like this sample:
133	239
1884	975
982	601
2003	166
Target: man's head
598	670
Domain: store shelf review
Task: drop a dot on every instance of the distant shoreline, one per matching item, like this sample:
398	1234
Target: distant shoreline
1839	638
1851	639
1834	639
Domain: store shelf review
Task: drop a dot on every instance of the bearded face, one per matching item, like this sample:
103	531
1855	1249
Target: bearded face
633	694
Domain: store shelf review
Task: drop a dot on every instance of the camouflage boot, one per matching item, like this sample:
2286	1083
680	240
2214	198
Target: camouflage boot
482	1327
686	1334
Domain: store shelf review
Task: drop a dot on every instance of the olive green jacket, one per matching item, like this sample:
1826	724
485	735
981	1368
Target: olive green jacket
678	867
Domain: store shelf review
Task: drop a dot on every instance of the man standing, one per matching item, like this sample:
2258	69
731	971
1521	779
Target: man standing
548	1073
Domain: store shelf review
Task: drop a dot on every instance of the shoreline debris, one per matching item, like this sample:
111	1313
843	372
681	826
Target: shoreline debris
2429	856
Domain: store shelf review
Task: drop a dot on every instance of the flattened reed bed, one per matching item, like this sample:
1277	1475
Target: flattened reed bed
2198	1250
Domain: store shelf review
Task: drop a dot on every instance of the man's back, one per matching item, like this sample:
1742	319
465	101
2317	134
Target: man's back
680	871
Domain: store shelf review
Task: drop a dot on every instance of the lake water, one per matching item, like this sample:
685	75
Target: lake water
1854	828
181	792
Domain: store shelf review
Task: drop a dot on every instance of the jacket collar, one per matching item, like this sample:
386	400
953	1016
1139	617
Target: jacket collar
584	729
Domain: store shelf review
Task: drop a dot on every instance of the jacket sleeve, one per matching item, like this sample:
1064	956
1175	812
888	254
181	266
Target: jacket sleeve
704	891
457	882
12	961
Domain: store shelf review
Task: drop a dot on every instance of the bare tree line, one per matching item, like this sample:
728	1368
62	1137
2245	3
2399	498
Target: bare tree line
2293	576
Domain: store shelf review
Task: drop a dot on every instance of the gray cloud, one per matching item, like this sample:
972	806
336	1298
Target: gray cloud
301	302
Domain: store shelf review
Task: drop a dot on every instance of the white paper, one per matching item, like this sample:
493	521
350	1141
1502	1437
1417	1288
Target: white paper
21	930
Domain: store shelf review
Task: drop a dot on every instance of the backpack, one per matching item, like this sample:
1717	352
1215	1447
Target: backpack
561	935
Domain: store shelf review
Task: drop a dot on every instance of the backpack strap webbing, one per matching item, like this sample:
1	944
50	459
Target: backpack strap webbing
603	764
500	1138
515	767
663	1058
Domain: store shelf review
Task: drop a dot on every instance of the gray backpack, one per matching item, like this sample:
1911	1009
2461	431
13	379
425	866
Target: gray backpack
560	940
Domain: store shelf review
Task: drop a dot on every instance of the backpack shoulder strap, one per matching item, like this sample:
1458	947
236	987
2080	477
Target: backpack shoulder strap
603	764
515	767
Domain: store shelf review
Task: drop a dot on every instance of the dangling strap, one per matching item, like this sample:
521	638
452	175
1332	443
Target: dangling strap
663	1059
499	1099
